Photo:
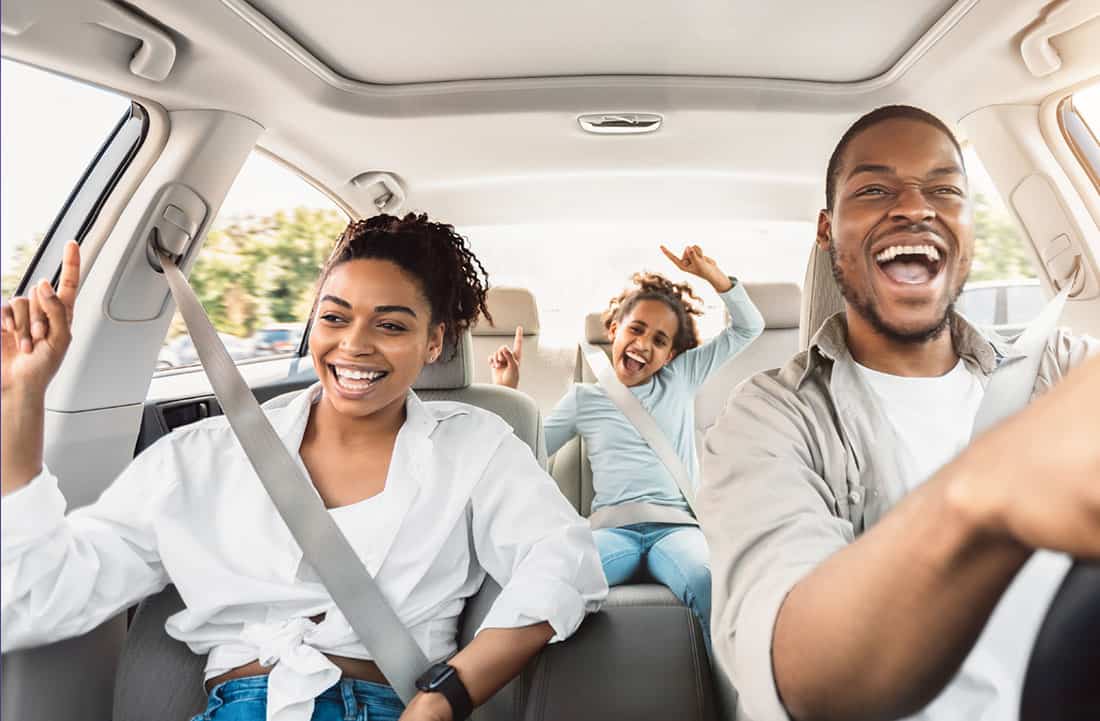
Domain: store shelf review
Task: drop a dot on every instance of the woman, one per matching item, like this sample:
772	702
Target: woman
430	495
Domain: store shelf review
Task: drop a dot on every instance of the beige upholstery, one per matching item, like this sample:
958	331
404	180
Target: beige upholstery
510	307
452	380
546	371
594	330
820	296
454	369
779	303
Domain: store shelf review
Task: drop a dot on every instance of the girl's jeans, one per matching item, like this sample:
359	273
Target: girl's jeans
674	555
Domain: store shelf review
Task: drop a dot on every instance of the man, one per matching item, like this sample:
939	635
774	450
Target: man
856	560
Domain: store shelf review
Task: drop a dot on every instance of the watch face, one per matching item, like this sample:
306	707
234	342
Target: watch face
435	675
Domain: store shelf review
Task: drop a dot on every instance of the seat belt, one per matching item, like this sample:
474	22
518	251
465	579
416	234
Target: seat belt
323	546
1013	382
640	418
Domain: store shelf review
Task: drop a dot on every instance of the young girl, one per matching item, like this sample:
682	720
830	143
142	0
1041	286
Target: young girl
655	352
430	495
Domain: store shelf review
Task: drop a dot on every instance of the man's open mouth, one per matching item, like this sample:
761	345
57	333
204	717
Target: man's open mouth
356	380
910	264
633	362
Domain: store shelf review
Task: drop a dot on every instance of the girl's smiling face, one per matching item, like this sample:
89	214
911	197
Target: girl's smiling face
641	342
371	336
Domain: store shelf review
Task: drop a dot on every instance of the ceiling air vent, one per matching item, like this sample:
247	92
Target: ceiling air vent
620	123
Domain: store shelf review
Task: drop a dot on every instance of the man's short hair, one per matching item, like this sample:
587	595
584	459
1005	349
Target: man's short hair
876	116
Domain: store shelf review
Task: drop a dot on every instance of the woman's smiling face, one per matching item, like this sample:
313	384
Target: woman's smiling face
371	336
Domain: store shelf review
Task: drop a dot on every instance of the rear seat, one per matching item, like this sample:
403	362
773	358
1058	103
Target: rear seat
546	372
779	303
651	643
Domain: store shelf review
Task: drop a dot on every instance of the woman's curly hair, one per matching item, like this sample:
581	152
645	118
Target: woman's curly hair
450	275
678	297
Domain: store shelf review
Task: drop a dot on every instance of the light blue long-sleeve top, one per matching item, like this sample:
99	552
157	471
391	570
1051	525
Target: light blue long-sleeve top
624	468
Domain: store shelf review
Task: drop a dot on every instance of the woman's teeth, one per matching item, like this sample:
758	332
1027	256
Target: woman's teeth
356	380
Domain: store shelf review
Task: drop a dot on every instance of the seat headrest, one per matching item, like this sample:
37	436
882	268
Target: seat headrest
594	331
510	307
821	297
779	303
452	371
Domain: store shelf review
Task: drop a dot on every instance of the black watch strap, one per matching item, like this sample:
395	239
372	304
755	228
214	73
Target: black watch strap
442	678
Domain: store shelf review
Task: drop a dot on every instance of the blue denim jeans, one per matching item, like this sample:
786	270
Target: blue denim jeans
672	554
245	699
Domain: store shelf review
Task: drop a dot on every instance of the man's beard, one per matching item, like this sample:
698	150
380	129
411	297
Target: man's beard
869	311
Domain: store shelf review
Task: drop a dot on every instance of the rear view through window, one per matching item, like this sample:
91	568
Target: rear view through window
1003	291
257	267
45	155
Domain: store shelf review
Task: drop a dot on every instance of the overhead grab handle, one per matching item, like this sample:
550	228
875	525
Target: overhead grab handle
157	53
1040	56
154	57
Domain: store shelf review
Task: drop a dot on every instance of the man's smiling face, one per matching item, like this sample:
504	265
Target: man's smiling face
900	233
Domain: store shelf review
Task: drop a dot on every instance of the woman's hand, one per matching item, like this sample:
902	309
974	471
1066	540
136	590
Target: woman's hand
427	707
35	330
505	362
693	261
34	336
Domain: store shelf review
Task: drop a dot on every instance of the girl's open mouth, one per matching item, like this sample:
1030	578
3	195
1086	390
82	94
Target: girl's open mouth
633	362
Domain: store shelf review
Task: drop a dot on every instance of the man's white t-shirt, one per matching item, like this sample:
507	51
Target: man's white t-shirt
932	419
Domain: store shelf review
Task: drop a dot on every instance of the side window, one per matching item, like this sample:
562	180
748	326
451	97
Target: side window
47	164
257	267
1079	116
1003	290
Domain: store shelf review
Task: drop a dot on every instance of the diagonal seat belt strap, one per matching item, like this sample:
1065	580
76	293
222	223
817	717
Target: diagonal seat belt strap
323	546
640	418
1013	383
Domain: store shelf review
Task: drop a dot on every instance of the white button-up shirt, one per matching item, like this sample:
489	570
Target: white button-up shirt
463	497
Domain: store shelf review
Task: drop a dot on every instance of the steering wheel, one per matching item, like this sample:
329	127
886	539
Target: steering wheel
1063	674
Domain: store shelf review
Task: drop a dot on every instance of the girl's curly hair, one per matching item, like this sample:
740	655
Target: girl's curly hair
678	297
450	275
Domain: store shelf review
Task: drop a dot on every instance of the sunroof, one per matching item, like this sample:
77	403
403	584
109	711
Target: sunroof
843	41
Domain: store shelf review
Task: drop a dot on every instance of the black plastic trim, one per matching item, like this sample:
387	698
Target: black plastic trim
133	128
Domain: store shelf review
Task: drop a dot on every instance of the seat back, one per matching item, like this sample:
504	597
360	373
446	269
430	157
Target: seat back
569	466
821	296
546	369
780	304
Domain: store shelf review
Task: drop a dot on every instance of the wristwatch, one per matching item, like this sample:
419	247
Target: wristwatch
442	678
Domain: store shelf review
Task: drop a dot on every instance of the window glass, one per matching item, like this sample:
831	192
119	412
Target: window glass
574	270
44	155
1023	302
257	268
1087	103
979	304
1002	258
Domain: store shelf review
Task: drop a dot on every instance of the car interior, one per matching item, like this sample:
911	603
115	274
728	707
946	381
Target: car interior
563	139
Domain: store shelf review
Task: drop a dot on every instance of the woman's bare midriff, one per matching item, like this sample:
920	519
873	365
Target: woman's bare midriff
356	668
